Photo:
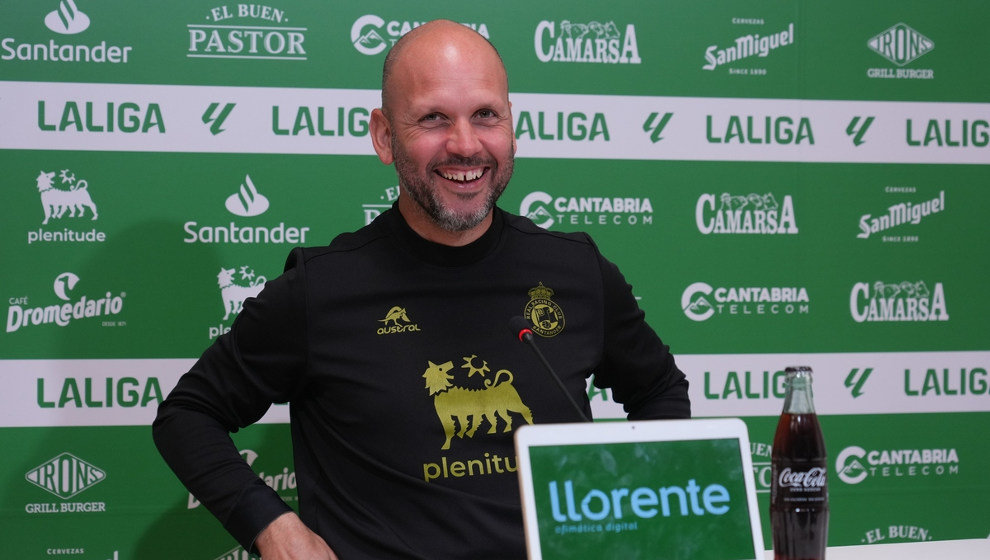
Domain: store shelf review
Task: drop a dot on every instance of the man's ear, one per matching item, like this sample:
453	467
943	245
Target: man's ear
381	136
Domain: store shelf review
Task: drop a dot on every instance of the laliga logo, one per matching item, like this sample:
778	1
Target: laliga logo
534	207
67	19
694	301
248	201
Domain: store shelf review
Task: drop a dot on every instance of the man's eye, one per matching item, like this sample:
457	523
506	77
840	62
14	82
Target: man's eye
432	117
486	114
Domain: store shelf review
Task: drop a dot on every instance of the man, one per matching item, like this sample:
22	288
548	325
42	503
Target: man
392	344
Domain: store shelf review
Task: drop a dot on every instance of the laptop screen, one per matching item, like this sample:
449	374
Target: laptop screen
656	489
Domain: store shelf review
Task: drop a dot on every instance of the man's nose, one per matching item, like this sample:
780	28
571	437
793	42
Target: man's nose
463	139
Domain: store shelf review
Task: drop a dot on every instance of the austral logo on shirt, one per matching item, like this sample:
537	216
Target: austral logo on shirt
543	313
595	41
247	31
397	321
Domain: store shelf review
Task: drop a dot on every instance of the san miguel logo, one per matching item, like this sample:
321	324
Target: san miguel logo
752	213
65	199
899	214
897	302
66	19
900	45
747	46
595	41
462	410
543	313
247	31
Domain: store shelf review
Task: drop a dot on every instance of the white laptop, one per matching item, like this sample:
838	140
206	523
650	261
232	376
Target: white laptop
657	489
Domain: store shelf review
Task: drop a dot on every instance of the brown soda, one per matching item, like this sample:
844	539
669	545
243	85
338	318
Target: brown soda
798	487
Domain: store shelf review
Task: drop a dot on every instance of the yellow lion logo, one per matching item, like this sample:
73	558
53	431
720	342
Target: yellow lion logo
457	406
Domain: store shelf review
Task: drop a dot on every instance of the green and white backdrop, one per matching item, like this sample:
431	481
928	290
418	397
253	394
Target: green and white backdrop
783	182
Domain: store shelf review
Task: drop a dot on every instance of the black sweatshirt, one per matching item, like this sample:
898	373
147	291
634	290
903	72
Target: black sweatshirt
405	382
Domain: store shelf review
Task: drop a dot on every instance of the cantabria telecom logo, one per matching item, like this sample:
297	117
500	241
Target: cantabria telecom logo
901	45
907	301
66	19
745	47
855	464
548	211
600	42
372	35
21	315
752	213
247	31
902	213
65	198
247	201
701	301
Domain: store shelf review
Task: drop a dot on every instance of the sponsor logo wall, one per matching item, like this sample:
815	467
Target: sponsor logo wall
782	183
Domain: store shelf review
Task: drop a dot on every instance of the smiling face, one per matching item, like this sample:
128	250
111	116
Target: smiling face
447	126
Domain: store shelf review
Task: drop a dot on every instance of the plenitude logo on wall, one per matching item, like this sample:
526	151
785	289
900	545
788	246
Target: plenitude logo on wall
701	301
246	31
752	213
548	211
746	47
907	301
901	45
371	34
854	464
236	285
598	42
20	315
65	198
246	202
66	19
65	476
899	214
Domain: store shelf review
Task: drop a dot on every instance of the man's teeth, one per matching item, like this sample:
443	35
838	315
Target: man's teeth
462	175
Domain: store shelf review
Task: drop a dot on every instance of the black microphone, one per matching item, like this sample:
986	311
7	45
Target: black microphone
520	328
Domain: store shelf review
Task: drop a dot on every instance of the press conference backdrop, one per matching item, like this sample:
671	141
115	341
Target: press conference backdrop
782	183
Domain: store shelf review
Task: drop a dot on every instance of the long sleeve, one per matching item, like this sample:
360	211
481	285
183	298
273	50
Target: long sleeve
230	387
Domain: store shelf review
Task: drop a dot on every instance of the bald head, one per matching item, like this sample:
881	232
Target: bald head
428	45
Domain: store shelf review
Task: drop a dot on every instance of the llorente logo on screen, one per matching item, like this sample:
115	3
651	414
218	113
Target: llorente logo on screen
568	505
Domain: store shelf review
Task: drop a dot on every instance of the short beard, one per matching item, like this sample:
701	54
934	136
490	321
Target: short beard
427	198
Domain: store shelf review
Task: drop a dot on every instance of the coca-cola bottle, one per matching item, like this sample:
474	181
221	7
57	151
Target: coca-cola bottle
798	489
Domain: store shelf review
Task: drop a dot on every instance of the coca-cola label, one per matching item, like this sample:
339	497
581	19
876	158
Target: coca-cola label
799	484
808	480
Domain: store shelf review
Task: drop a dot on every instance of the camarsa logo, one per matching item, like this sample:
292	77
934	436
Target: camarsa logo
747	46
548	211
21	315
758	213
855	464
247	31
371	34
701	301
908	301
595	41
